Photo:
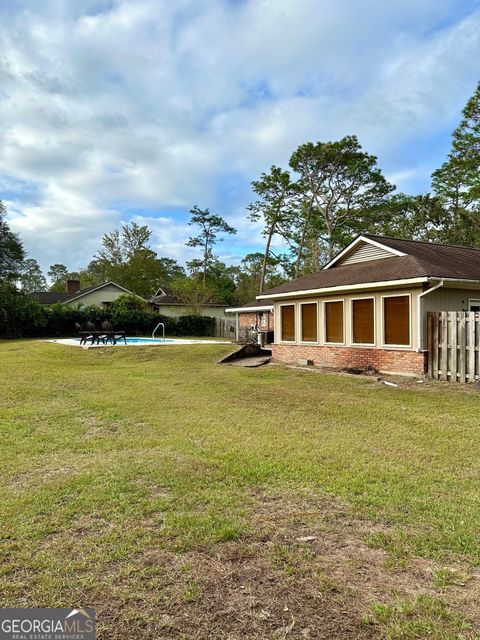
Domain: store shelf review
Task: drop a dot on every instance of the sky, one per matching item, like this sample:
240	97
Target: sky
114	111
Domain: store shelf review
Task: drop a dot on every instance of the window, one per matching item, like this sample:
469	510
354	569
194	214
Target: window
309	322
288	322
363	321
334	321
473	304
396	320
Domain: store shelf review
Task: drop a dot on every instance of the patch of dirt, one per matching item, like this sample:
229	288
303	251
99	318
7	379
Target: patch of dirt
304	572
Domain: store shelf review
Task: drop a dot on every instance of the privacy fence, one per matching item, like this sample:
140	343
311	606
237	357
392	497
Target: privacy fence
453	339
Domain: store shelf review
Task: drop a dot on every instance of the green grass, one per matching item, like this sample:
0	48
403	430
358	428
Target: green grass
423	616
108	454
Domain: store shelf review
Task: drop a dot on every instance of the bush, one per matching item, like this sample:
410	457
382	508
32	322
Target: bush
23	317
20	316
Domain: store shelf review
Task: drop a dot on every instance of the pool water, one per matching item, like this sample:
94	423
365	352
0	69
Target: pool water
147	340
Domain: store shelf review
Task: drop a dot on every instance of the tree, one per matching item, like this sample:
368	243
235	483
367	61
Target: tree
344	183
127	258
193	293
58	274
421	217
249	275
170	270
275	206
31	276
210	226
457	181
11	250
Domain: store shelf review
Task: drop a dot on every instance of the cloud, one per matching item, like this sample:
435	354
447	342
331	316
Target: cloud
138	109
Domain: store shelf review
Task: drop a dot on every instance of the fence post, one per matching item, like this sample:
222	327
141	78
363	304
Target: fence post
462	342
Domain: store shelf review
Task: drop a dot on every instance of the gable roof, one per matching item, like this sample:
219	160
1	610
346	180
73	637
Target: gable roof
413	260
51	297
164	296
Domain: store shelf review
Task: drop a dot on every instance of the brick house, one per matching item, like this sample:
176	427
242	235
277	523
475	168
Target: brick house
368	305
254	322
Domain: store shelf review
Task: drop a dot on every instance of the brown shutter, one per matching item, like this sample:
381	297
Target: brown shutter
334	321
396	318
309	322
288	322
363	321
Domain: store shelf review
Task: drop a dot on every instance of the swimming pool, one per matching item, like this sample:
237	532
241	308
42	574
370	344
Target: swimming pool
133	341
148	340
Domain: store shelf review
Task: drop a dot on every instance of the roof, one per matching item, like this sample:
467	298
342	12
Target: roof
254	305
51	297
164	296
411	259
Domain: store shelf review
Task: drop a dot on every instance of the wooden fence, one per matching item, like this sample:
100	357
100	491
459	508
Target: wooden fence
453	339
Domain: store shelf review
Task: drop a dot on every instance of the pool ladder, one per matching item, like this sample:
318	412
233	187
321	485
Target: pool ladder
160	324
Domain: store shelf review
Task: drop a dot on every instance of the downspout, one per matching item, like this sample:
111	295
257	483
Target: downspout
237	327
419	314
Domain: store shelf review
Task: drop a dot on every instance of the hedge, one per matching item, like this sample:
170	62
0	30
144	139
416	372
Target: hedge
22	317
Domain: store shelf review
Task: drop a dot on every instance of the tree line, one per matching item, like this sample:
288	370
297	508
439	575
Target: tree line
330	192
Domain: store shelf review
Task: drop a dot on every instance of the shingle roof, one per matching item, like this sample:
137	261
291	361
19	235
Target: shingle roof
170	300
50	297
423	259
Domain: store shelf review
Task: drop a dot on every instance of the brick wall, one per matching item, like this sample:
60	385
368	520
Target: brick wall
247	320
386	360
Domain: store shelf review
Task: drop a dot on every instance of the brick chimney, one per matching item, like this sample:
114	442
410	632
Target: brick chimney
73	286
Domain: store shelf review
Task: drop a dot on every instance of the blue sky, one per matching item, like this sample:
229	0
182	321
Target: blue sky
119	110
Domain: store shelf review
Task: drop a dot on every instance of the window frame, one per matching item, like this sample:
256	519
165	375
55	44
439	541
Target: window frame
410	323
301	304
363	344
295	324
325	302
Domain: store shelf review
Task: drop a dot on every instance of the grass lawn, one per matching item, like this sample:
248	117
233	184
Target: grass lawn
183	499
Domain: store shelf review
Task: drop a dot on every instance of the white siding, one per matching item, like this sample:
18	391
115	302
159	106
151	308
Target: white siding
364	252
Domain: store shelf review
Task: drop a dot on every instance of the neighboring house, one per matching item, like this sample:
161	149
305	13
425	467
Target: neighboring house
169	305
101	295
368	305
254	322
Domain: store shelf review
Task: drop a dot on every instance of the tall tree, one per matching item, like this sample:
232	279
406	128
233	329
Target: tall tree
421	217
58	274
11	250
210	226
344	183
249	275
31	276
127	258
457	181
275	206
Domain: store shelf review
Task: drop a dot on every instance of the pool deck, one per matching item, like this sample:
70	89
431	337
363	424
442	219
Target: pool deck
74	342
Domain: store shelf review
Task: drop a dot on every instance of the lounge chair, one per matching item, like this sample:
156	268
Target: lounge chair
97	335
113	335
84	335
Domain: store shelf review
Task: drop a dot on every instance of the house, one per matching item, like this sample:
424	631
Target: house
254	321
100	295
368	305
169	305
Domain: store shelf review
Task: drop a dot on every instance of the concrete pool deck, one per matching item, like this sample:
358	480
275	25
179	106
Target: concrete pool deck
75	342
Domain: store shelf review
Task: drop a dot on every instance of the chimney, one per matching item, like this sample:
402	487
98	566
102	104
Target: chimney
73	286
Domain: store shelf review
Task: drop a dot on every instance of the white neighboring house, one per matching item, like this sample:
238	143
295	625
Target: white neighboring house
101	295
